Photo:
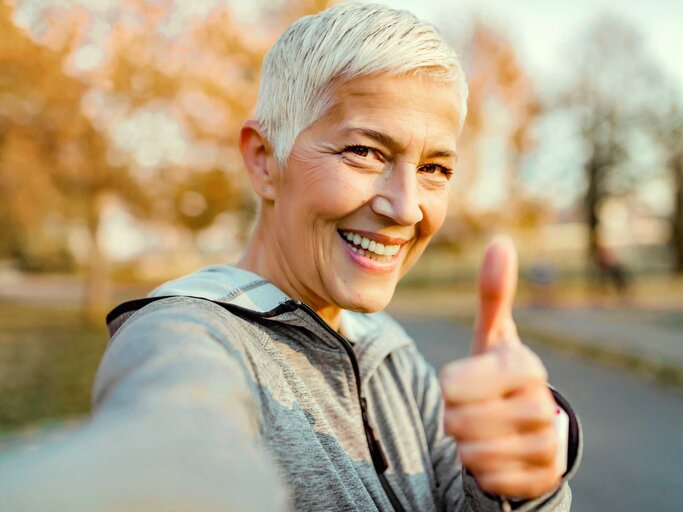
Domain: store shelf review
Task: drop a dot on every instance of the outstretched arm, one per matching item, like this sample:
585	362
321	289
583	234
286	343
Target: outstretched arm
174	428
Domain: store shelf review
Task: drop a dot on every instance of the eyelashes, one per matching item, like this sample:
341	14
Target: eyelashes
360	150
438	168
365	151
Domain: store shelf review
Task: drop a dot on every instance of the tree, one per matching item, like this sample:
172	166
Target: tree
613	89
31	117
667	130
60	120
202	77
54	164
502	104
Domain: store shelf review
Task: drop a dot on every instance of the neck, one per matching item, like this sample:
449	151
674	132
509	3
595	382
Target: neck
263	257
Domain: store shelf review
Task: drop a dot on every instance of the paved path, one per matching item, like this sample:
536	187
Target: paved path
633	458
638	333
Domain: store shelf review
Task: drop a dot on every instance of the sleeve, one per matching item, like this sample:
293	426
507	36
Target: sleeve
174	427
457	489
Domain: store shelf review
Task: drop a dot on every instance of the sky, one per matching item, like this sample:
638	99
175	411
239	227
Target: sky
544	30
543	33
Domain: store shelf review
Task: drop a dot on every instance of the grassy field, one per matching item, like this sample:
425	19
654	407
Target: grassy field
48	360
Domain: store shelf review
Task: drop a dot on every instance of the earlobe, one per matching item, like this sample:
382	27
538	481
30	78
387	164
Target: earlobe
258	159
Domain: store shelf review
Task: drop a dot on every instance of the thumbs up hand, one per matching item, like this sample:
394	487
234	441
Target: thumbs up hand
497	403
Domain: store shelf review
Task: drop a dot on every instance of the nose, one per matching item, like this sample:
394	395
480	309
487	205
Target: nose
398	197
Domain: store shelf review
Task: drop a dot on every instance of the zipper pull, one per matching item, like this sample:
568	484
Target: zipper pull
284	307
379	458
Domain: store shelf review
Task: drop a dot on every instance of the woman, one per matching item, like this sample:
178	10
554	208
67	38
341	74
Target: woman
275	382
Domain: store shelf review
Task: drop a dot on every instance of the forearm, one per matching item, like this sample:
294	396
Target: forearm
173	428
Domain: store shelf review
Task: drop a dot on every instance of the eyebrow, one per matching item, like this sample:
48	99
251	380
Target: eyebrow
390	142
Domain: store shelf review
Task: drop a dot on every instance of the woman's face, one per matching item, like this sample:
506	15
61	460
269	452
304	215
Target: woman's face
364	190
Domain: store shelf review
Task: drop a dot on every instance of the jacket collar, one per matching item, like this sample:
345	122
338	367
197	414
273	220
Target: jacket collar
374	336
232	285
229	284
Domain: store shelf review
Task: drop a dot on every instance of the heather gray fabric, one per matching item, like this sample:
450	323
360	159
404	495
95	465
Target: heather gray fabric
228	413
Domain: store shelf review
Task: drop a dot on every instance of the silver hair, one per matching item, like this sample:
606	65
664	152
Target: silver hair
337	45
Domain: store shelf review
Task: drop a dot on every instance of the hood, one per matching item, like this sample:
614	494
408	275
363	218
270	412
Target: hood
373	335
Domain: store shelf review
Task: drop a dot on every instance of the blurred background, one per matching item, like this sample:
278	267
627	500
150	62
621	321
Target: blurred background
119	169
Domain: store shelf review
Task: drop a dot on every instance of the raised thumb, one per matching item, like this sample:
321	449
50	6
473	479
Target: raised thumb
497	285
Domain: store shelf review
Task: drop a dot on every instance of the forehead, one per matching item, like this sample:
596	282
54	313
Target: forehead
408	106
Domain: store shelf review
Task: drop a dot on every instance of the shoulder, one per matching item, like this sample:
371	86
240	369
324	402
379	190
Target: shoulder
186	317
176	340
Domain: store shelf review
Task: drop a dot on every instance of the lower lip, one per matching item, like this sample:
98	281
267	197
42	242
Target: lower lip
370	265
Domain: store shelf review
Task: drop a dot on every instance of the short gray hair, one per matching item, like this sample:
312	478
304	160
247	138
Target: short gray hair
340	44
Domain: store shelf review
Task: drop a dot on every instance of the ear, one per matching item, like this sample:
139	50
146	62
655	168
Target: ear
258	159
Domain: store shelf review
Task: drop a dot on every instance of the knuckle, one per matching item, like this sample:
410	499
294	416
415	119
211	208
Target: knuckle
454	423
545	484
536	404
490	484
449	420
543	393
543	409
465	425
467	456
536	487
539	371
450	380
520	361
532	363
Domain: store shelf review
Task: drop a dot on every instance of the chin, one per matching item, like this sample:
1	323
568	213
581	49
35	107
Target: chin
369	300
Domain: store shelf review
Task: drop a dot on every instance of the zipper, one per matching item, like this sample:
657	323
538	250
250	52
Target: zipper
379	459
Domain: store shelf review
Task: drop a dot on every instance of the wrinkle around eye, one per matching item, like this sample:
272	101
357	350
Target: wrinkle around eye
363	162
434	181
365	167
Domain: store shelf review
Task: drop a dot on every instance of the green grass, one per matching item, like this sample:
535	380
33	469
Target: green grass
48	360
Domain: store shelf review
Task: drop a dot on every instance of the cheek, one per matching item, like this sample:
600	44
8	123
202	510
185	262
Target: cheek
434	210
333	192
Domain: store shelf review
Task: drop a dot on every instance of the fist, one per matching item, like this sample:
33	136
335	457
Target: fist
497	403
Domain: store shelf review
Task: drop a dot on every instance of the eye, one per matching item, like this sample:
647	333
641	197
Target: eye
363	151
436	168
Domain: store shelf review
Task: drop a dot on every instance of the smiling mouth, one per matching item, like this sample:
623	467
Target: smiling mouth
369	248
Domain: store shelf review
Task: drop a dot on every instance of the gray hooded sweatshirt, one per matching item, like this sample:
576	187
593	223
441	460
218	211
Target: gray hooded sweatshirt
219	392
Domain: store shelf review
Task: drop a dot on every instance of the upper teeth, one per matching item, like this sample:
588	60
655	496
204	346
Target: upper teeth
371	245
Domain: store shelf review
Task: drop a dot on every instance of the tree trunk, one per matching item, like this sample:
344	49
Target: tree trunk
98	283
676	166
591	203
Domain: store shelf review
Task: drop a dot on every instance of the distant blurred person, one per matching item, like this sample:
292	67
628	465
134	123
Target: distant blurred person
276	382
611	272
541	276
